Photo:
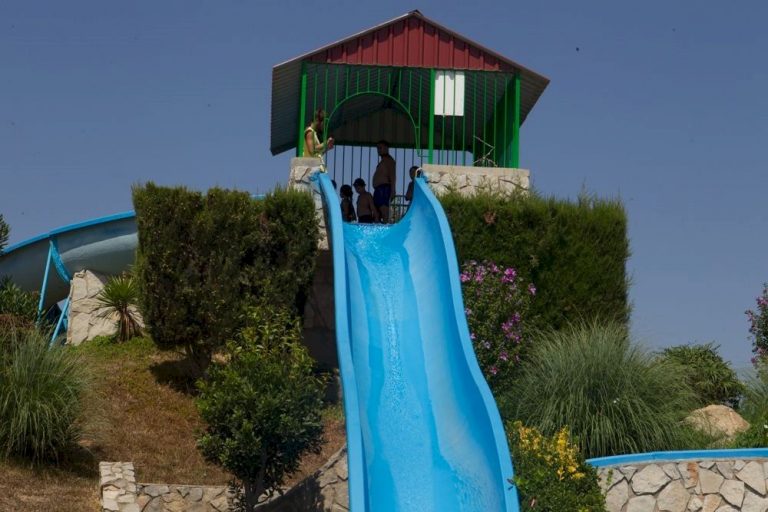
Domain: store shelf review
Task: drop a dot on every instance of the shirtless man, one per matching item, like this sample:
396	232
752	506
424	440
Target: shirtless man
384	181
366	210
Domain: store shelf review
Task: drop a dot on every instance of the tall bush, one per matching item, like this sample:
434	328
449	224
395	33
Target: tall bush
754	409
263	407
41	395
204	259
615	397
4	233
551	474
16	303
575	252
710	376
758	327
496	302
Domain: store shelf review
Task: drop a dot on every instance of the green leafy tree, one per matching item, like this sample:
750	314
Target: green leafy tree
710	377
204	259
574	251
4	233
263	406
758	328
118	299
16	305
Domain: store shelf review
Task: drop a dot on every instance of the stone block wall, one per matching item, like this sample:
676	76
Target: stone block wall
468	180
717	485
121	493
324	491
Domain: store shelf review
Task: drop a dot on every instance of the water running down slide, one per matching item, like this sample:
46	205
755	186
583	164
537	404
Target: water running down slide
423	431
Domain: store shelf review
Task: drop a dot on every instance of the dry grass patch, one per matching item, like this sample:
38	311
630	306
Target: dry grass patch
143	411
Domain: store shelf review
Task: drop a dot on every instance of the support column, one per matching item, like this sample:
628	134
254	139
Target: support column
516	124
302	111
432	76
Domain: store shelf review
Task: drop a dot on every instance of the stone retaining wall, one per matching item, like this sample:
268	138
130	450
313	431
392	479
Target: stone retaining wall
324	491
717	485
121	493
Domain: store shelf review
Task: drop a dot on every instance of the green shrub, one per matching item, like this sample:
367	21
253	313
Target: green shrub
754	409
550	473
204	259
758	327
496	302
575	252
710	377
263	407
16	302
615	397
118	299
4	233
41	395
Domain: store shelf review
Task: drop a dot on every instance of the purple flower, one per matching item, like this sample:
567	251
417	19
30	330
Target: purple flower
472	336
464	277
467	311
494	370
531	289
504	356
487	344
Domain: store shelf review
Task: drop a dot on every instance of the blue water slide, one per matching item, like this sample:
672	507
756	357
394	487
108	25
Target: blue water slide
46	263
423	430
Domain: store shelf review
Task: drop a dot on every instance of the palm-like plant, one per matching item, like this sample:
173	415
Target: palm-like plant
118	300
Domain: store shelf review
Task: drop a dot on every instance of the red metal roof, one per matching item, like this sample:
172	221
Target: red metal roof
410	40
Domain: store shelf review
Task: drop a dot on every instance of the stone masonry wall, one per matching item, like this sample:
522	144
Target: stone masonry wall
324	491
687	486
468	180
121	493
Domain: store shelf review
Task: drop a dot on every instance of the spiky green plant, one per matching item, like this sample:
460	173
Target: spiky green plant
41	395
615	396
118	300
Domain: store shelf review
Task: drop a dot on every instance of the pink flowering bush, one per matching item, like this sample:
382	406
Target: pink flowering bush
496	303
758	328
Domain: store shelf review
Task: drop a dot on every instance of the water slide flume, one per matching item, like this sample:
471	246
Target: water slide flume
423	430
46	263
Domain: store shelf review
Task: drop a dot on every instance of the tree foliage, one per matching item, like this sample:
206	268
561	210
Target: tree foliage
263	406
203	260
710	377
575	252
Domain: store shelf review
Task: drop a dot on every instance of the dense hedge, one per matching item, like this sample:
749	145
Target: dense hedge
204	259
573	251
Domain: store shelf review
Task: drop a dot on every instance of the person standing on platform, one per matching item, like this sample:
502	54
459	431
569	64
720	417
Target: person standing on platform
312	145
384	181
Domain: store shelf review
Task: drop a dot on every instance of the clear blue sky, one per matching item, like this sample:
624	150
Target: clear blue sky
664	104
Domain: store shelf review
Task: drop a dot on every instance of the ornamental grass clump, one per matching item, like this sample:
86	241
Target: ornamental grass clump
616	397
496	303
41	395
551	474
